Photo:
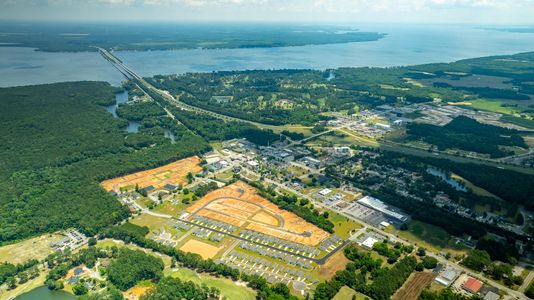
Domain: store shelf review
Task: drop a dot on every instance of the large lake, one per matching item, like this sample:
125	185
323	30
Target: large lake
404	45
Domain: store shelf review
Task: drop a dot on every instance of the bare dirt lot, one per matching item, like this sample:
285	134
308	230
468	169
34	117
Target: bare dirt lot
335	263
203	249
413	287
173	173
239	204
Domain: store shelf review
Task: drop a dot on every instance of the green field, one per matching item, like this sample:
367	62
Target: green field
342	225
430	237
346	293
493	106
228	288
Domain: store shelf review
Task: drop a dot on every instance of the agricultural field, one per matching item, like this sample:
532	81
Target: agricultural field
173	173
413	287
34	248
239	205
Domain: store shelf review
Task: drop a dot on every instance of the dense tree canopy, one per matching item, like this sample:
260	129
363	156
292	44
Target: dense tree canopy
132	266
58	143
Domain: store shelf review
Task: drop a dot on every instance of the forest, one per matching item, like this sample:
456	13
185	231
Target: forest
132	266
467	134
59	144
210	128
50	37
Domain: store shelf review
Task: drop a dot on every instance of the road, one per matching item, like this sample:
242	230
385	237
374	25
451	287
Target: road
388	145
395	239
319	261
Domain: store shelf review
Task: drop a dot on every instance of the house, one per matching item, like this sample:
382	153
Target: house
447	277
472	285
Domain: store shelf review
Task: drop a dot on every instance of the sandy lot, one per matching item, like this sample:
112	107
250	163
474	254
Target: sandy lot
336	262
136	292
203	249
239	204
173	173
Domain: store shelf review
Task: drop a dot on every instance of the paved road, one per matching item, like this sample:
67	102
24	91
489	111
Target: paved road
319	261
393	238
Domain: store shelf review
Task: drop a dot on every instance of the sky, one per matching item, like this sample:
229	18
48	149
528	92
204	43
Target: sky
499	12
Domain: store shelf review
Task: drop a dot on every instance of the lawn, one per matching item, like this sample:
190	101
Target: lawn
430	237
346	293
228	288
169	208
153	223
342	225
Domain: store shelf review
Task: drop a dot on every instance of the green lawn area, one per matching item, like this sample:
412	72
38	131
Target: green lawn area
169	208
493	106
228	288
346	293
342	225
430	237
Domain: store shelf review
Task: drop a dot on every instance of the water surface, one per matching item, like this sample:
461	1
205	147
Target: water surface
403	45
43	293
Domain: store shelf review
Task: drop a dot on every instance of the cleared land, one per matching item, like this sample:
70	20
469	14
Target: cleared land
173	173
413	287
203	249
239	204
136	292
337	262
35	248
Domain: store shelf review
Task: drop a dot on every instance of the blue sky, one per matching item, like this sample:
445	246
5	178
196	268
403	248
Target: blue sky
355	11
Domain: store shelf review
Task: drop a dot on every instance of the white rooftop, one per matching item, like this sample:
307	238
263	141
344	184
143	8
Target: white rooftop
369	242
325	192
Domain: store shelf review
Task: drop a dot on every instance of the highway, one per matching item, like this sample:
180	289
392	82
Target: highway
130	74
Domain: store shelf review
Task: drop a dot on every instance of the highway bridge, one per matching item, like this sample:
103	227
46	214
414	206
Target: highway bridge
130	74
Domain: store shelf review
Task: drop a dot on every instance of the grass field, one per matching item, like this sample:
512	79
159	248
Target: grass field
346	293
228	288
493	106
35	248
342	225
171	209
430	237
153	223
